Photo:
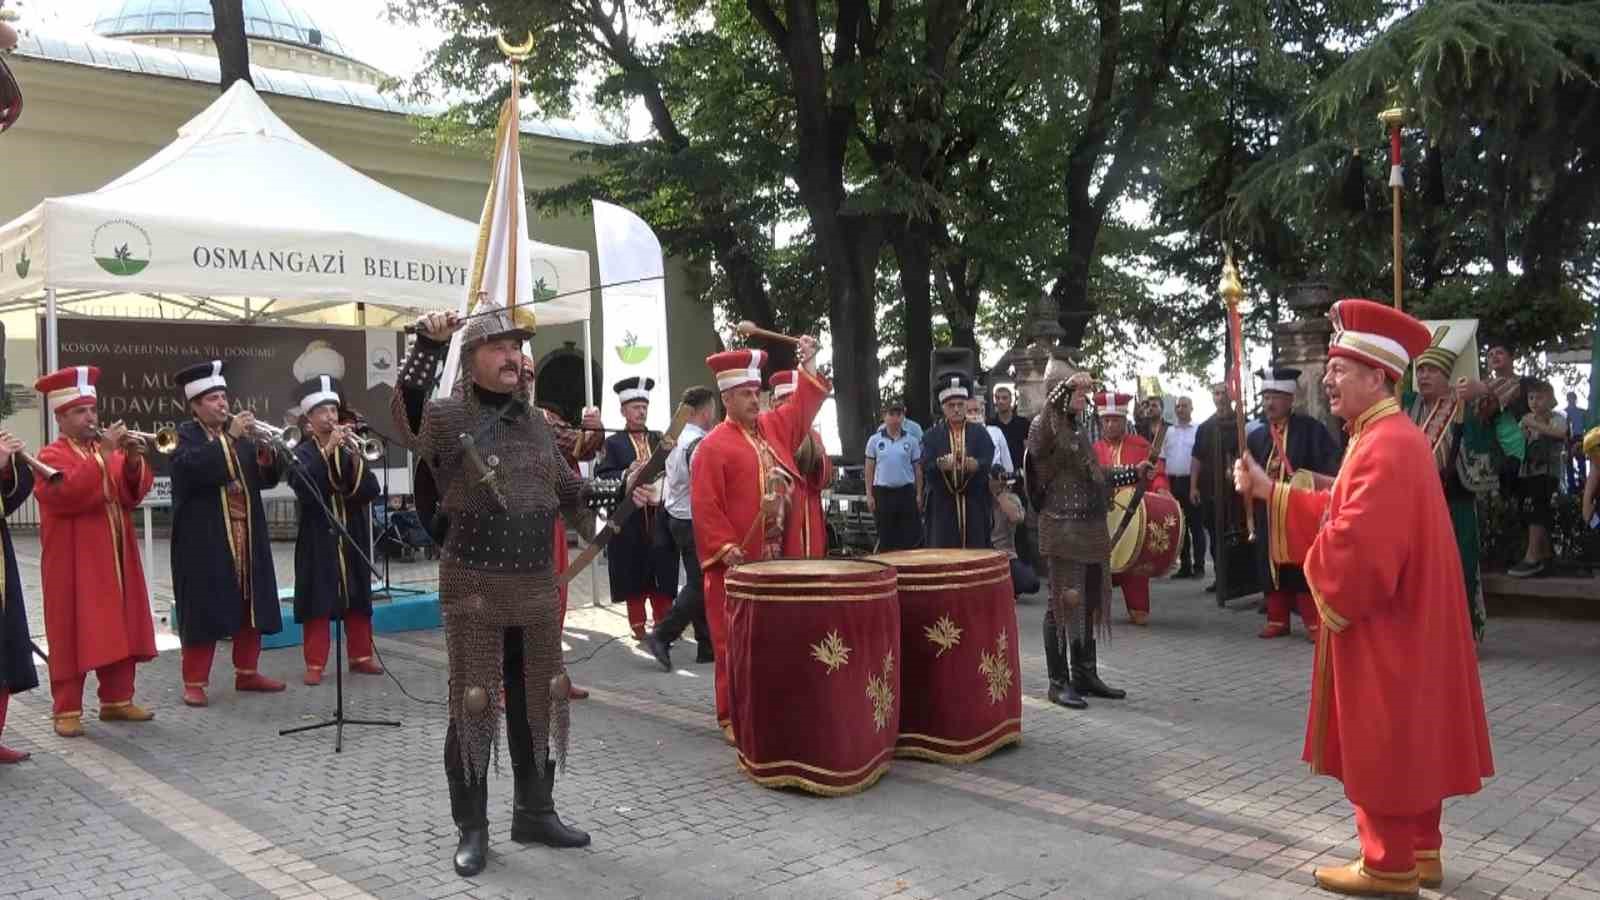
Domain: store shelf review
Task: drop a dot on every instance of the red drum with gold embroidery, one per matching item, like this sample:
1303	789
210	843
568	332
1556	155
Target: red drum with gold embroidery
958	634
814	672
1153	539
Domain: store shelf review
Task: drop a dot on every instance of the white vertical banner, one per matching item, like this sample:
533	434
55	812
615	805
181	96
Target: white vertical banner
634	337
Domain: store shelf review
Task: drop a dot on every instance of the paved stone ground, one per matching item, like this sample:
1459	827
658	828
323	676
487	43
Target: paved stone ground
1190	788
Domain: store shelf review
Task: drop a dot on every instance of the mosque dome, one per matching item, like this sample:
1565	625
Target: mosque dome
282	34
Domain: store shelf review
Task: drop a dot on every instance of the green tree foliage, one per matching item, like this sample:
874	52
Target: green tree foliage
1503	176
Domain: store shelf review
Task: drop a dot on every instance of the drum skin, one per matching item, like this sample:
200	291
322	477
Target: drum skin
1153	540
962	670
814	672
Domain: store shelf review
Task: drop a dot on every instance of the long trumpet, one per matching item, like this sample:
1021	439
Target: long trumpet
47	472
369	449
163	441
287	436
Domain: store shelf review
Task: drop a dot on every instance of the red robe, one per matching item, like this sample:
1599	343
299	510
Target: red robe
1396	706
726	482
805	530
96	610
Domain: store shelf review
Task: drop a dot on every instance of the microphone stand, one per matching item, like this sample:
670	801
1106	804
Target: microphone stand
388	588
340	533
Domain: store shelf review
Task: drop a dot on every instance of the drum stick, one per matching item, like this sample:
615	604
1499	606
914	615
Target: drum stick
748	329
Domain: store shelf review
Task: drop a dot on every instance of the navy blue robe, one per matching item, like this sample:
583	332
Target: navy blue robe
942	520
17	673
639	559
205	591
1311	447
322	561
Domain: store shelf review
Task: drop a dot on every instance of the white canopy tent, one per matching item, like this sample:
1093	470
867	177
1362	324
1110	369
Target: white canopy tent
240	206
241	219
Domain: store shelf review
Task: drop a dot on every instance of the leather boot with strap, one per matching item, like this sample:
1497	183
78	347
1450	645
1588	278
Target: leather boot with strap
1061	691
1086	677
533	812
469	806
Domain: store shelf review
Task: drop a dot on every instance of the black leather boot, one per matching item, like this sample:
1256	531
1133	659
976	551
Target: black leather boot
469	806
1084	676
1061	692
533	817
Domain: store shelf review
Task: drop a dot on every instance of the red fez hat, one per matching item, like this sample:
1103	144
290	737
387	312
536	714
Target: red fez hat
782	383
1377	334
1113	404
737	368
69	387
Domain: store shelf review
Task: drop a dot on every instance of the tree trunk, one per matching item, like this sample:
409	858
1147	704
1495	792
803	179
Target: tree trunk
1071	290
850	246
233	50
1498	223
916	275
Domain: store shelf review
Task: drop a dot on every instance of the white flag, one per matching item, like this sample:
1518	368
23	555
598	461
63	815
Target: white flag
634	339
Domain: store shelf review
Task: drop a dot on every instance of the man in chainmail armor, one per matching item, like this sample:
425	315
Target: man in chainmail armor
1072	491
502	482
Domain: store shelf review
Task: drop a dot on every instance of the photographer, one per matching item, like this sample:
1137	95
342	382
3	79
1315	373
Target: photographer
1006	517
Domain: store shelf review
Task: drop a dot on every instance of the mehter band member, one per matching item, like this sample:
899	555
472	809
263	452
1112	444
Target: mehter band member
739	484
17	673
96	610
1116	447
1072	492
1396	706
331	580
1291	446
502	484
807	526
223	583
956	456
641	566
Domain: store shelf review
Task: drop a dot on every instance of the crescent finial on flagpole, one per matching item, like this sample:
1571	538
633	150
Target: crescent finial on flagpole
515	52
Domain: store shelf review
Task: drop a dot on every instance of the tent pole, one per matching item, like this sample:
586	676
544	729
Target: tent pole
589	401
52	357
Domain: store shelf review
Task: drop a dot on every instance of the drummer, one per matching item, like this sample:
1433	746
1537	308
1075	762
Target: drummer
1120	446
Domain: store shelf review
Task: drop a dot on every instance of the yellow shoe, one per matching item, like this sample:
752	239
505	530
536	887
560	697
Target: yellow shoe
1357	880
69	726
1138	618
1430	868
127	711
727	735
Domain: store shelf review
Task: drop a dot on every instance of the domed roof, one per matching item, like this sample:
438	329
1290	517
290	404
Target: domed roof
283	21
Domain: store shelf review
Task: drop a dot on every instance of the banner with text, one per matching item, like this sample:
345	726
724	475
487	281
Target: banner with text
263	365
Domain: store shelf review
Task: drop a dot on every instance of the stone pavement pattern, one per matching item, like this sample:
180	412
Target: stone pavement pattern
1190	788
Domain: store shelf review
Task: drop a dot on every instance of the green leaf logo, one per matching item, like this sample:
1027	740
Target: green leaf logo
24	263
121	248
542	291
631	352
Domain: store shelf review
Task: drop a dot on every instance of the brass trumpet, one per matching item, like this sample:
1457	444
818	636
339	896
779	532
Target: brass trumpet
164	441
369	449
288	436
47	472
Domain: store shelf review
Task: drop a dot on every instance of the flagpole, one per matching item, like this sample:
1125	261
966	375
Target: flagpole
1393	118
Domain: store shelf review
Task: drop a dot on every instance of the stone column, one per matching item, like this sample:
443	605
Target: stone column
1039	345
1302	343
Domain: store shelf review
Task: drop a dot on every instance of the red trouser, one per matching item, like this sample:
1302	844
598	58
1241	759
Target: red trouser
197	657
717	620
1280	602
358	639
116	688
1135	591
659	607
1390	844
5	701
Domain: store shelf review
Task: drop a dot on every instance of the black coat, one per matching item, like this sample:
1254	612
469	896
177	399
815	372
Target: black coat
205	591
322	561
1311	447
17	673
941	522
639	563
